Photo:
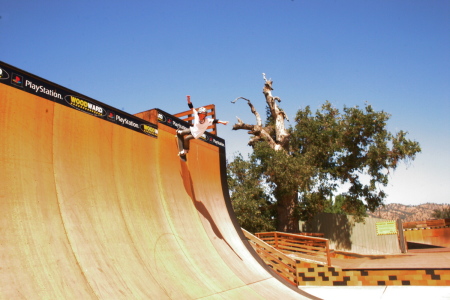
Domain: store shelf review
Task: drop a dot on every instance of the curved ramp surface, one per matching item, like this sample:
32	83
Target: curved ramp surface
91	209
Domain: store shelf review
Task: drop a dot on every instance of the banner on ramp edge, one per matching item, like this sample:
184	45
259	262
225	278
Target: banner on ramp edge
35	85
174	122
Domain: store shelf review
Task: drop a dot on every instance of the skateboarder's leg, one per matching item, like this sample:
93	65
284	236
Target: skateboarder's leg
186	142
186	136
183	132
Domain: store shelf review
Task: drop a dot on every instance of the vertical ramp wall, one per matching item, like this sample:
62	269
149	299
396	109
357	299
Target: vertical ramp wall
36	257
96	205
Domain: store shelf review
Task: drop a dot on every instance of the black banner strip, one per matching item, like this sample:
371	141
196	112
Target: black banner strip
35	85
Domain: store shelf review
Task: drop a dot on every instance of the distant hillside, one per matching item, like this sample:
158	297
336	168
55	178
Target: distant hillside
407	213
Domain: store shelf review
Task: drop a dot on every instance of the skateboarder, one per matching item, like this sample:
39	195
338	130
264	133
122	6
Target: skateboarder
201	123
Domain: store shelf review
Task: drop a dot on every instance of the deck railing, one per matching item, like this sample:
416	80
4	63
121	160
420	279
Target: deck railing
278	261
296	243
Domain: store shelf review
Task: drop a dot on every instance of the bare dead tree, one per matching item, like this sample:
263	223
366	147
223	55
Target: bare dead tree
280	140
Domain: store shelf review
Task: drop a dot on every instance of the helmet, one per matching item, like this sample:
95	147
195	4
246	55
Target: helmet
202	110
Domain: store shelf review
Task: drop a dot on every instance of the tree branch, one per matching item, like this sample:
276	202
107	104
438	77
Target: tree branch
282	136
262	133
242	125
252	108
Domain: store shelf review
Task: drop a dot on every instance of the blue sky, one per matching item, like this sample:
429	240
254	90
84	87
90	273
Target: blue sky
137	55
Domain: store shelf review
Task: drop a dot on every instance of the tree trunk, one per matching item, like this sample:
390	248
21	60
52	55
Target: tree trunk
287	216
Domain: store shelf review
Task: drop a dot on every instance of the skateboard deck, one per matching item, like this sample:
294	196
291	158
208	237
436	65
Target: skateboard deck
180	147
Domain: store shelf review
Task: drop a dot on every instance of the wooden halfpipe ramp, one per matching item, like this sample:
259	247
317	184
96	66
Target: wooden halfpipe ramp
95	204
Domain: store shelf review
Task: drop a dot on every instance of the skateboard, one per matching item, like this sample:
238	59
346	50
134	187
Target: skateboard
180	147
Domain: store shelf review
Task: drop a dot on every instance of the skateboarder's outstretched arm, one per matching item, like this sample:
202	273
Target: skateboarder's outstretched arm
222	122
189	102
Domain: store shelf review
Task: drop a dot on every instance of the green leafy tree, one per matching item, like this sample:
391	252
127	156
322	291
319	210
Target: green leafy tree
254	210
303	165
339	205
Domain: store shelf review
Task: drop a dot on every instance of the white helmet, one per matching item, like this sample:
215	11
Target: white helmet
202	110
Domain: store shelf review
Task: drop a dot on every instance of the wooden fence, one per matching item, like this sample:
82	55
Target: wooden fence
345	233
296	243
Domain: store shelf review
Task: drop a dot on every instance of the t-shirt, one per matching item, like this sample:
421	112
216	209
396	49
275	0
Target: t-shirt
198	129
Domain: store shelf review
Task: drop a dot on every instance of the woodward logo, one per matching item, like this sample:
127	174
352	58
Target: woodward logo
149	130
161	118
3	74
85	105
41	89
